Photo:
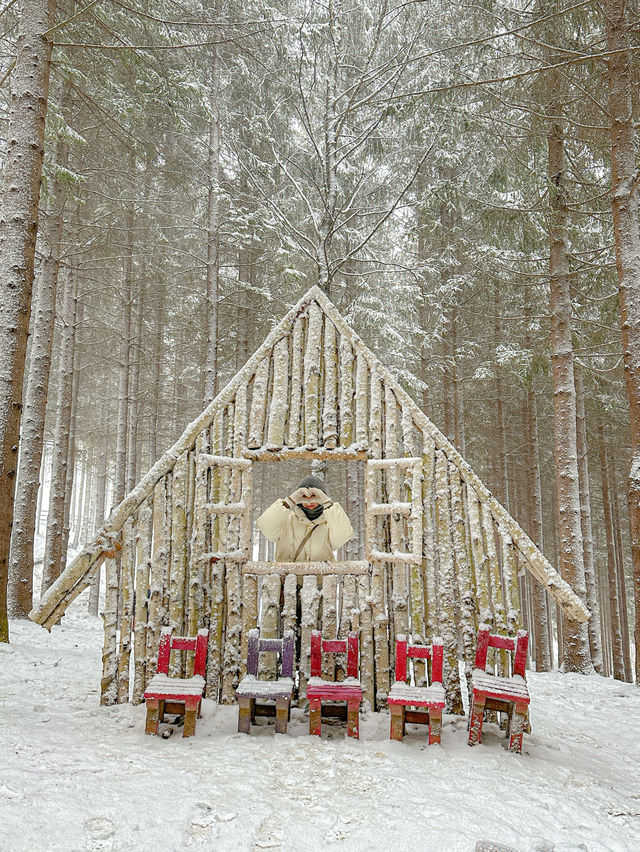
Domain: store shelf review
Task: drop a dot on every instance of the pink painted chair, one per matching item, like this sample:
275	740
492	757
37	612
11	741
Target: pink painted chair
349	690
166	694
429	700
505	694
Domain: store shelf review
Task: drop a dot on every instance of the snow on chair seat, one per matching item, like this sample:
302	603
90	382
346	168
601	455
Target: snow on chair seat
252	688
177	695
505	694
430	698
349	690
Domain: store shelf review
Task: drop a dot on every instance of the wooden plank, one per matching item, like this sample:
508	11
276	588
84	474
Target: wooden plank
302	569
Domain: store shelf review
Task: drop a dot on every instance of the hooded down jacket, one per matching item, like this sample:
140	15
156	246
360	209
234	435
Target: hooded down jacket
285	523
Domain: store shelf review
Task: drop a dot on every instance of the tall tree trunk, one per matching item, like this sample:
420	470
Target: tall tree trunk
540	612
622	585
124	366
585	515
213	219
612	580
624	195
101	494
18	228
53	551
576	653
158	355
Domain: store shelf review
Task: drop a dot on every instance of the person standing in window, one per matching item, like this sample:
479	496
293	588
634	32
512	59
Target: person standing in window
307	526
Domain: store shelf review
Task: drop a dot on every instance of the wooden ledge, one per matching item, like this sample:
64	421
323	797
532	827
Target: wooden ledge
302	569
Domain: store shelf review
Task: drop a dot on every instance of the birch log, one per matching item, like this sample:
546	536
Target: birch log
258	405
279	393
447	620
108	683
312	377
330	397
362	430
429	540
329	622
127	571
143	560
294	438
178	569
346	393
310	601
367	670
269	621
480	560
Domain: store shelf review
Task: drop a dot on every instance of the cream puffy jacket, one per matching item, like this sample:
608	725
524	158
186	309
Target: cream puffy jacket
285	523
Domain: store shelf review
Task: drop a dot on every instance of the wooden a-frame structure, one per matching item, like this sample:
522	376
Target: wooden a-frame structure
442	555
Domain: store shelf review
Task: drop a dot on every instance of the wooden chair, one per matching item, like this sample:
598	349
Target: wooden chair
505	694
349	690
251	688
166	694
430	698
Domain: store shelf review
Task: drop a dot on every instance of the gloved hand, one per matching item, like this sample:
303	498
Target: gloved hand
309	495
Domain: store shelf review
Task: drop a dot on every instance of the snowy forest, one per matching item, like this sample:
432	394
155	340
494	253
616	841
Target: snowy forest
460	180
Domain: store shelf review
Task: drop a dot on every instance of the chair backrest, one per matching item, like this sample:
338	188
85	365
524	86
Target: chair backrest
169	643
517	645
284	647
320	646
405	651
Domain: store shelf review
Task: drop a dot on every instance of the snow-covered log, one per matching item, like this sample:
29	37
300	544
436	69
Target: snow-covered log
279	396
126	590
312	377
346	393
258	411
330	396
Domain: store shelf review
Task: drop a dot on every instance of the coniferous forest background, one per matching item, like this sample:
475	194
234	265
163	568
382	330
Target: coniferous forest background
461	179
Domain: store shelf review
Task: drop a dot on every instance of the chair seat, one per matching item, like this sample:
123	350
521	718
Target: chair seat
162	686
344	690
508	688
266	690
417	696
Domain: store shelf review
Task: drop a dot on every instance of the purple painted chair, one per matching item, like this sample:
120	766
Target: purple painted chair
252	689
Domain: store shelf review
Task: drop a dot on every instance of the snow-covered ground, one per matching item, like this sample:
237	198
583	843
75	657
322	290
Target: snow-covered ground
77	776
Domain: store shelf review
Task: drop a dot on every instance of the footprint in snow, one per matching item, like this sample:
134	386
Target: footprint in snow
100	833
201	828
269	834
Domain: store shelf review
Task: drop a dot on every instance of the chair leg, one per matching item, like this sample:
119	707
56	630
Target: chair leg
518	722
153	716
315	725
397	722
245	709
353	719
282	714
475	723
435	725
190	712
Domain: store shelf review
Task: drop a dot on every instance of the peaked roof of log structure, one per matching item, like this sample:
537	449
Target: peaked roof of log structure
78	574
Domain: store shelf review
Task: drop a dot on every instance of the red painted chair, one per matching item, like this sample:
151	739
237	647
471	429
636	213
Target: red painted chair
349	690
430	699
504	694
166	694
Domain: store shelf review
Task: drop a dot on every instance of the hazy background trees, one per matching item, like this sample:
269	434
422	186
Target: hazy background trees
206	162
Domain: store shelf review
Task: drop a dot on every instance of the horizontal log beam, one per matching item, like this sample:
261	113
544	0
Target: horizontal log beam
302	569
